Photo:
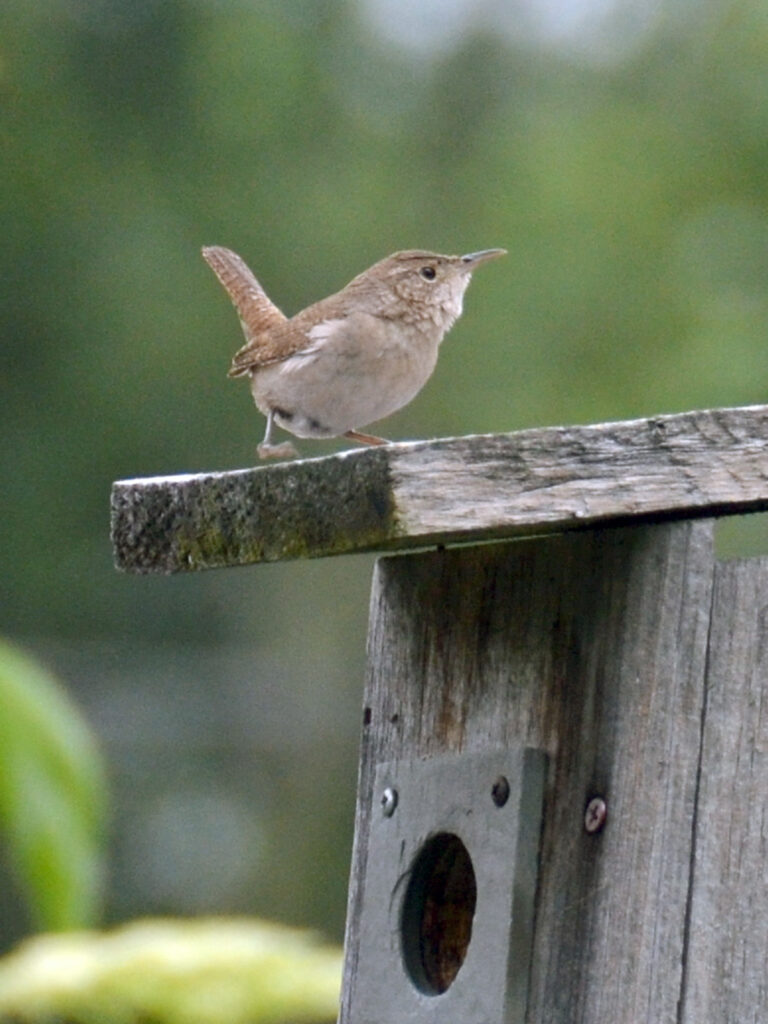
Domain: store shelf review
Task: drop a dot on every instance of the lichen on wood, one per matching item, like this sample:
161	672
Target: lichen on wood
475	488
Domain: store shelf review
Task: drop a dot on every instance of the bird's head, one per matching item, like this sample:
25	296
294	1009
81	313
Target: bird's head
418	285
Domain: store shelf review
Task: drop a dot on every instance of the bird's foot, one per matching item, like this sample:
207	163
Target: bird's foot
355	435
277	451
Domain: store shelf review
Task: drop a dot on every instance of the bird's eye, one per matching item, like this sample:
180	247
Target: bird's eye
428	273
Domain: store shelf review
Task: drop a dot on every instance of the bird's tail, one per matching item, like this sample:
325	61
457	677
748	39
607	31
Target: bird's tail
256	310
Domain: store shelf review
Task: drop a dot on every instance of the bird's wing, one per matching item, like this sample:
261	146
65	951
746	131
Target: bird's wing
260	318
273	346
303	335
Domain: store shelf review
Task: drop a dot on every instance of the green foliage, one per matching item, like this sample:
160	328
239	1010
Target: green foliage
52	795
224	971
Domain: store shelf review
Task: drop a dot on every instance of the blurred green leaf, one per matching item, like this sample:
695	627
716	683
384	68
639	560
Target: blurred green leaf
52	795
208	971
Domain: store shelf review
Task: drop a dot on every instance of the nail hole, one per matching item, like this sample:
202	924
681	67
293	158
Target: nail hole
438	909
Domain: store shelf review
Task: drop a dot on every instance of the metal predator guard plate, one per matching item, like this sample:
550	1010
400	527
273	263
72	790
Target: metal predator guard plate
444	805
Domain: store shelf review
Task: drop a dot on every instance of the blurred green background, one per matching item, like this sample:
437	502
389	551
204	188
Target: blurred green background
618	150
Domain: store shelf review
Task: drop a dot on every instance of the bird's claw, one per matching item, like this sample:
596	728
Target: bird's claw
277	451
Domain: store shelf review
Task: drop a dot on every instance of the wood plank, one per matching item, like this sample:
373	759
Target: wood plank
464	489
591	647
726	976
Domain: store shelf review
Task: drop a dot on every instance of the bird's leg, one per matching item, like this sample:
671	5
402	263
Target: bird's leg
355	435
267	450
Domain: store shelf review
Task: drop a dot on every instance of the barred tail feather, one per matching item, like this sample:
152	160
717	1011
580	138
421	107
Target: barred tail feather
256	310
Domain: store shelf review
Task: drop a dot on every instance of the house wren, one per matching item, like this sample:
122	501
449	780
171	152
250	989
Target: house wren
352	358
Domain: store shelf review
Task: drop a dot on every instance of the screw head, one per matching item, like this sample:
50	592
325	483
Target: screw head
595	814
500	791
388	802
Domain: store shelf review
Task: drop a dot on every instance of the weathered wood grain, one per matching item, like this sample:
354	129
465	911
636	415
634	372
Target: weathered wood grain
592	647
726	977
471	488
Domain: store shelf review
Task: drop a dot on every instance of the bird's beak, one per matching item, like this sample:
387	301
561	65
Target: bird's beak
474	259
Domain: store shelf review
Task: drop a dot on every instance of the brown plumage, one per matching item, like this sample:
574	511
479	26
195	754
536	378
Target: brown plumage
355	356
258	314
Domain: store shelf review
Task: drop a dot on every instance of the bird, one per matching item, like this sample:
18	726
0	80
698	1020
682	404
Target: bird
352	358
